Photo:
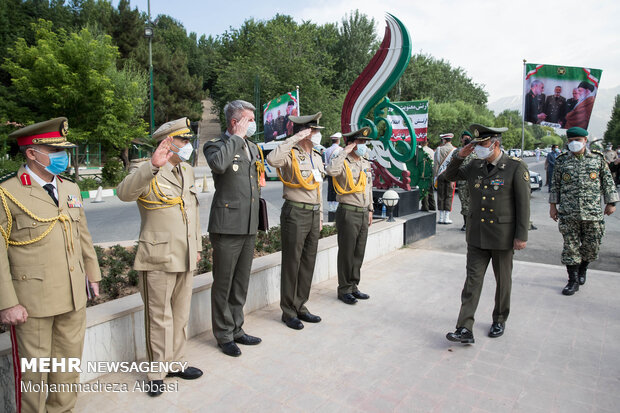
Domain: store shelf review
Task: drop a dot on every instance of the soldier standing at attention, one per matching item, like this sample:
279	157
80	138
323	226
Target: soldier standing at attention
499	219
461	186
169	246
445	189
46	255
579	179
301	170
352	177
237	166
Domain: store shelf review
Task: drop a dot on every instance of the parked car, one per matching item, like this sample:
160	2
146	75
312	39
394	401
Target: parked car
535	181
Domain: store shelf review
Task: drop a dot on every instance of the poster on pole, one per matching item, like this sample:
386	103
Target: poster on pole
417	112
276	112
559	96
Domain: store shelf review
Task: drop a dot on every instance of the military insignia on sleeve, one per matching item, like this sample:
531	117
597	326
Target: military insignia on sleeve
526	176
592	175
74	202
566	177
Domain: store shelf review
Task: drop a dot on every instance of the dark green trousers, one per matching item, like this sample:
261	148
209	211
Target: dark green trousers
477	263
232	263
352	234
300	240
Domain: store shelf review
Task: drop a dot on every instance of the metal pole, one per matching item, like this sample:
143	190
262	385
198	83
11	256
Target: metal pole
298	102
523	111
152	125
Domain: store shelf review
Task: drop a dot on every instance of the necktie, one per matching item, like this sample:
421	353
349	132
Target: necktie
177	174
490	167
50	190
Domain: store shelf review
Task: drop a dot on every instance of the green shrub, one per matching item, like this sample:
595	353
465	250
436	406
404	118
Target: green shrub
113	172
88	184
11	165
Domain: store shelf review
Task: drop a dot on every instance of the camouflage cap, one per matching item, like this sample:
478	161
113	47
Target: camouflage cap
576	132
172	128
482	133
363	133
52	132
311	121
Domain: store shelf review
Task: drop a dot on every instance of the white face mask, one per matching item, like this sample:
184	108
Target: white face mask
251	129
575	146
482	152
185	152
316	138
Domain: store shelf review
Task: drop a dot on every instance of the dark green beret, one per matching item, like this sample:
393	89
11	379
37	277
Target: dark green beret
576	132
482	133
468	133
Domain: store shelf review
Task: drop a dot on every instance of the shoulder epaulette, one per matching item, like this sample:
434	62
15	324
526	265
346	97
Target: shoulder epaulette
562	154
316	150
7	176
215	139
596	151
515	158
66	178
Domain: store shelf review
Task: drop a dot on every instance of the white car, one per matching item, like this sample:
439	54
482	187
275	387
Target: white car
535	181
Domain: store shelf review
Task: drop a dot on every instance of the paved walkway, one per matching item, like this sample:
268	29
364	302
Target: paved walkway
559	354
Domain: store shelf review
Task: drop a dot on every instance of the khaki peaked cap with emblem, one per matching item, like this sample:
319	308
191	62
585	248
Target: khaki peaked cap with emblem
308	120
52	132
172	128
363	133
483	133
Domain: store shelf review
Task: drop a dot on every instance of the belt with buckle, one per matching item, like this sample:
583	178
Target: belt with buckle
301	205
353	208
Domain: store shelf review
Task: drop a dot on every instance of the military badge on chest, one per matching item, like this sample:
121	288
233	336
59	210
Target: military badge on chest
497	182
235	165
477	182
74	202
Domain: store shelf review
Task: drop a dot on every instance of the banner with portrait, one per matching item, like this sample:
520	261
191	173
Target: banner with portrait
417	112
276	112
559	96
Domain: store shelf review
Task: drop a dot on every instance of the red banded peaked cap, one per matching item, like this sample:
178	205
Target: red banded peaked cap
52	132
172	128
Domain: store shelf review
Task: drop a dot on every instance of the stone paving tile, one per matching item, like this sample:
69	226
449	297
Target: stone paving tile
559	354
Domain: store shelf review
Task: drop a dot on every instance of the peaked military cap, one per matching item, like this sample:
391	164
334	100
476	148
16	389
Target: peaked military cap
172	128
576	132
363	133
446	136
52	132
308	120
483	133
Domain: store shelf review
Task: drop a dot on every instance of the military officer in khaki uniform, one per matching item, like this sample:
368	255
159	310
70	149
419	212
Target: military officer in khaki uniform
301	170
498	221
238	171
445	189
169	246
352	178
46	255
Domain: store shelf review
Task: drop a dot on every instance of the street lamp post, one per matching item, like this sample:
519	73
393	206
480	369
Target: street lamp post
148	33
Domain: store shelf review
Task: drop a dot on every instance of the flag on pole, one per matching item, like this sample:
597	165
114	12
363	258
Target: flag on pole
559	96
276	113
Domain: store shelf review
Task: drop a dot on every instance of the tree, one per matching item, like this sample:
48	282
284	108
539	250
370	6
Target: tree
612	134
75	75
454	117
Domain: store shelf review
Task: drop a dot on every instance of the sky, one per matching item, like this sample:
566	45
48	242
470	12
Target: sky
489	39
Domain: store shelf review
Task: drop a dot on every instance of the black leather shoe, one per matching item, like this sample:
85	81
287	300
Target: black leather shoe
360	295
309	318
347	298
464	228
190	373
155	388
461	335
230	349
247	340
573	282
497	329
294	323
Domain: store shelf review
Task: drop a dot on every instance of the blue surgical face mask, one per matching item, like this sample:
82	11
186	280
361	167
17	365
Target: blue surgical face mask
58	162
361	149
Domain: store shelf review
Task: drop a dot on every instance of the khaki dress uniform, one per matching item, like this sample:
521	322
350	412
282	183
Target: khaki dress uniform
353	183
236	164
302	175
46	255
499	214
170	239
445	189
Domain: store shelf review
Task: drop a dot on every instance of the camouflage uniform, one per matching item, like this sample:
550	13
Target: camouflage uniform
576	186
